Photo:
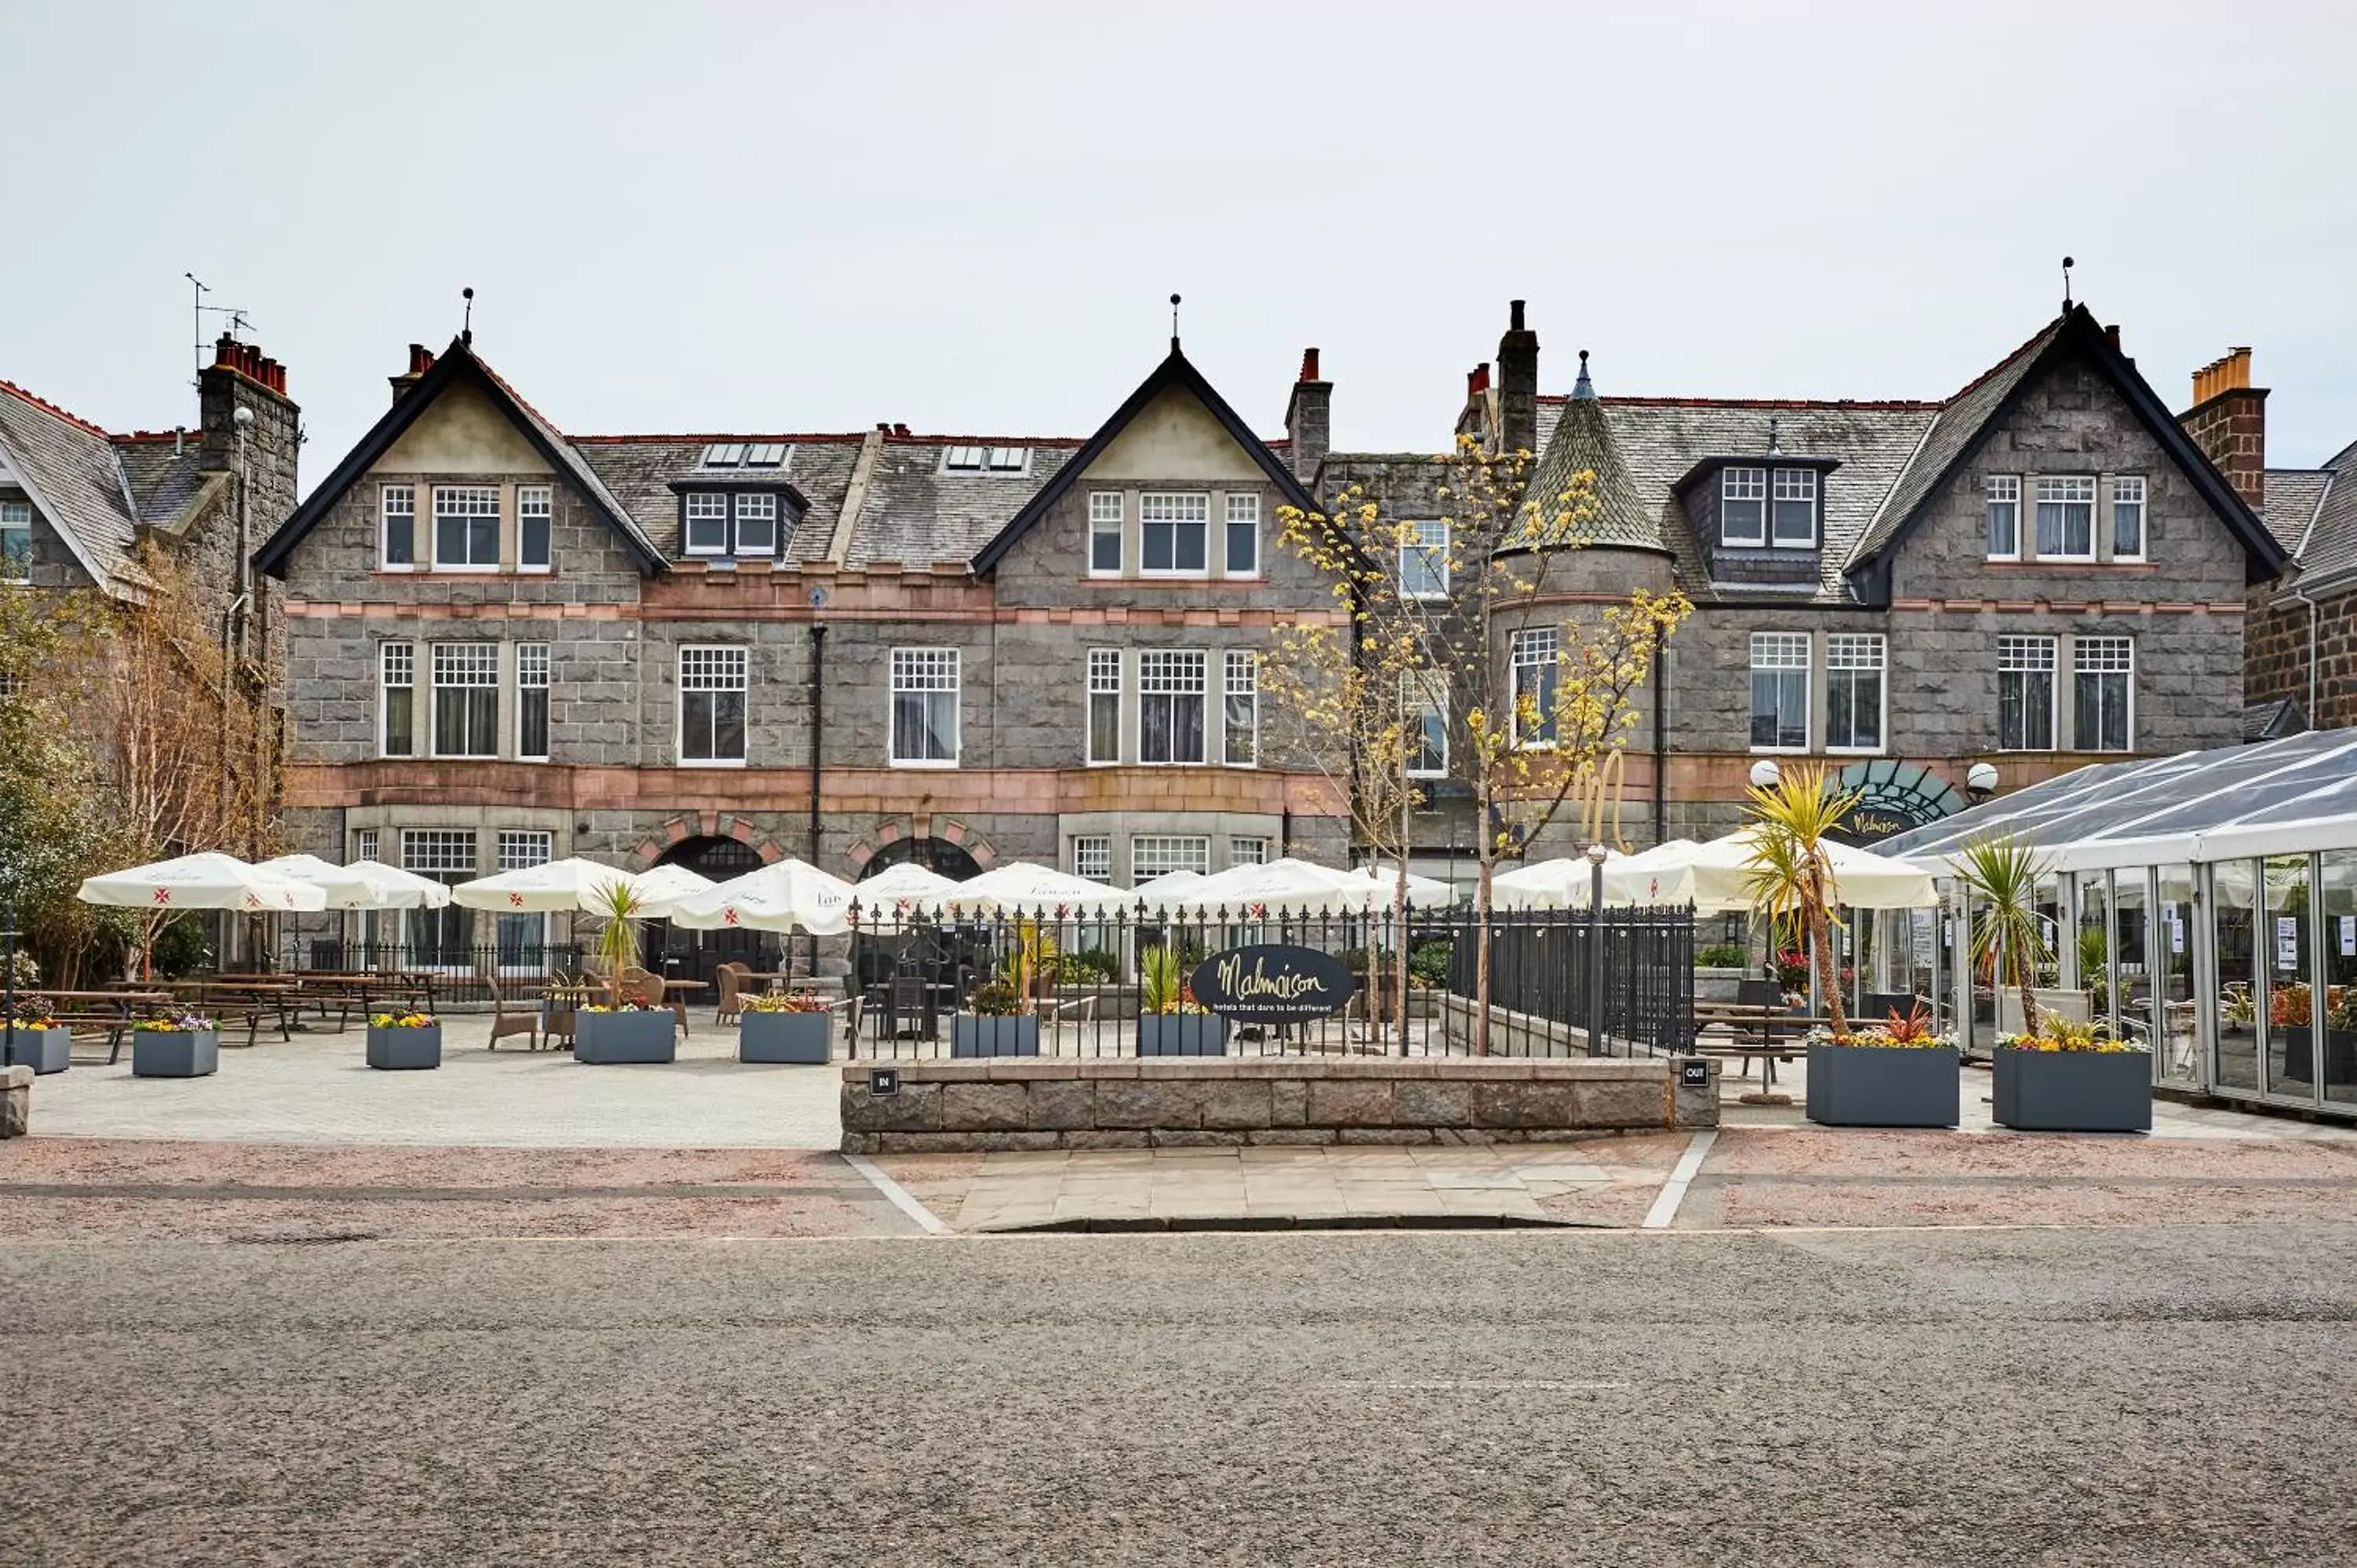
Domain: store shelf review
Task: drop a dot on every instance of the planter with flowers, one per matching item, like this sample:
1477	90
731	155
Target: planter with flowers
2071	1077
405	1041
33	1037
785	1026
185	1046
2341	1036
994	1023
621	1029
1900	1073
1171	1022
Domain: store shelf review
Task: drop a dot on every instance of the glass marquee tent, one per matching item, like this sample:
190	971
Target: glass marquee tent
2204	905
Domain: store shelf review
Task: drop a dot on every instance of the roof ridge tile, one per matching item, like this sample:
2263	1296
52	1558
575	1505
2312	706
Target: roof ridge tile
46	406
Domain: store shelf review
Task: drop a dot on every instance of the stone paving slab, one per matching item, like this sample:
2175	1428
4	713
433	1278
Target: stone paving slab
316	1089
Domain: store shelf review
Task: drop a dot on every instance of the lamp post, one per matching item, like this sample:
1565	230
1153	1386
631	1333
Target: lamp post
8	985
1596	853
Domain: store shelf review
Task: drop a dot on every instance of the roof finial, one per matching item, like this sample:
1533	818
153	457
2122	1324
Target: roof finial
2067	264
1174	323
466	327
1583	390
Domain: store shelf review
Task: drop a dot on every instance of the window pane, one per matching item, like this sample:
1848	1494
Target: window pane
1534	670
532	526
925	688
2127	516
2066	516
1795	520
1104	547
757	525
1241	715
400	525
1743	506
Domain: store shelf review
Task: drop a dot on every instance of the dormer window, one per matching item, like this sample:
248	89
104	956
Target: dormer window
717	522
1743	506
1759	507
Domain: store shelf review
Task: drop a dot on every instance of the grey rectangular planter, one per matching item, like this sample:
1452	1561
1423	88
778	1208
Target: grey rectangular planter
1181	1035
804	1037
977	1037
399	1049
2074	1091
175	1053
43	1050
1883	1085
606	1039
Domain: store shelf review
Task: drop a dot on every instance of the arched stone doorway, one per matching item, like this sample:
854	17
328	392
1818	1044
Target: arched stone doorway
679	953
938	856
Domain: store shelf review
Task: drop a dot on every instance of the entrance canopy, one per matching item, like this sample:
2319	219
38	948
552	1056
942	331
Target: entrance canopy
2284	796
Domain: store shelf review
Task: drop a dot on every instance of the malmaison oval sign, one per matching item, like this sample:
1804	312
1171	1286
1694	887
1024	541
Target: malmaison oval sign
1272	984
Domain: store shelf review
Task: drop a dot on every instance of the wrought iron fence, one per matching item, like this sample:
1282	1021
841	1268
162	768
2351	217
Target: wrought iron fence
1055	984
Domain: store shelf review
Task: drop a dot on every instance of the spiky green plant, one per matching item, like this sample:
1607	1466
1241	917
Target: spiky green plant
1158	980
1790	874
2001	874
617	907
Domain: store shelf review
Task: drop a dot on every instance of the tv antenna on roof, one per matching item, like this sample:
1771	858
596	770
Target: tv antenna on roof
2067	264
237	319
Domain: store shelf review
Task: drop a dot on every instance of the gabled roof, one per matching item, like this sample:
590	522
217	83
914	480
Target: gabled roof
1967	421
458	363
1173	372
67	466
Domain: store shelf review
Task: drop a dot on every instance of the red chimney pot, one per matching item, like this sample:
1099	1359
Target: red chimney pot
1309	364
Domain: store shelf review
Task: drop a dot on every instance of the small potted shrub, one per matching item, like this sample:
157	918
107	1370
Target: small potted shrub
1900	1073
1171	1022
185	1046
2070	1077
621	1030
994	1023
2341	1036
33	1037
784	1027
2291	1020
401	1042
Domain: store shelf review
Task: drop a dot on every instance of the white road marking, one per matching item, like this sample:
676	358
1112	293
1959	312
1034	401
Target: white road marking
1673	1191
898	1196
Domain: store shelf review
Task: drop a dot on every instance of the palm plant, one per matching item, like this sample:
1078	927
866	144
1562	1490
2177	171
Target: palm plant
1790	874
2001	873
1158	980
617	907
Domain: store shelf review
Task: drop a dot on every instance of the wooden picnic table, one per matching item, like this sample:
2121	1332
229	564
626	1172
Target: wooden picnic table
1753	1030
111	1010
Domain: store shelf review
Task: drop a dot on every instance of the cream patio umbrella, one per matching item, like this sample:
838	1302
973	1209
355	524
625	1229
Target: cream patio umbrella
1021	887
572	883
786	896
1862	879
1285	886
666	889
344	889
208	880
394	888
898	892
1171	890
1567	882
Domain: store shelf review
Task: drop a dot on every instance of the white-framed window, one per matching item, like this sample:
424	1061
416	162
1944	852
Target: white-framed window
1780	691
465	528
522	940
925	689
1743	506
2025	693
1534	665
1170	690
365	844
1424	703
963	459
2127	518
16	542
1239	727
765	455
532	702
1158	854
397	527
1093	857
441	938
712	686
2066	518
1244	536
1008	459
1174	534
2002	495
535	523
1104	706
757	524
1856	691
1247	852
466	699
396	716
1424	560
704	523
724	455
1793	508
1105	533
2103	693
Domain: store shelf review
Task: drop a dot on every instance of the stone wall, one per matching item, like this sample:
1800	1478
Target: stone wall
1035	1103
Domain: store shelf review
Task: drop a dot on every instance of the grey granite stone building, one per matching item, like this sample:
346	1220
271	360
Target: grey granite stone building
508	643
2040	569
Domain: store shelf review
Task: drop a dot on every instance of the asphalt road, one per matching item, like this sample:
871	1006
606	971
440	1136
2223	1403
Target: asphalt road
2082	1396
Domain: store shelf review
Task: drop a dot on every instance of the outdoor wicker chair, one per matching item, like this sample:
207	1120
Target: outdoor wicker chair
505	1018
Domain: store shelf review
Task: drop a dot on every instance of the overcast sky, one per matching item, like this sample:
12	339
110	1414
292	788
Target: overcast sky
968	217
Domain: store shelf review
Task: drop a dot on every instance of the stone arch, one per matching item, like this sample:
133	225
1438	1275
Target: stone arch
918	825
649	853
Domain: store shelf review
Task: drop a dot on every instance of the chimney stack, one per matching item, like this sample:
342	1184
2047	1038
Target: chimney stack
421	360
241	376
1518	385
1309	419
2229	421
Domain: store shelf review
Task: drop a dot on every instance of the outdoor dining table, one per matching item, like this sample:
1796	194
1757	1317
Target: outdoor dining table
679	1001
116	1009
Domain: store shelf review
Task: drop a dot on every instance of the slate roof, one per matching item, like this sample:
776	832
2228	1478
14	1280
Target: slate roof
2328	550
2293	496
1583	440
68	465
640	471
918	515
2273	721
165	485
